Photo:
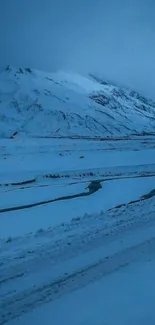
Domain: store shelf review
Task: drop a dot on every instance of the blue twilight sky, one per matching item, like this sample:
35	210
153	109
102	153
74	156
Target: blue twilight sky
115	38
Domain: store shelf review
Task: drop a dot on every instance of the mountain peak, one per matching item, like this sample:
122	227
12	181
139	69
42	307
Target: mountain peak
43	104
12	69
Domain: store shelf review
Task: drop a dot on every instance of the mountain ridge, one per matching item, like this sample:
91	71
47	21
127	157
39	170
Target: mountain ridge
35	103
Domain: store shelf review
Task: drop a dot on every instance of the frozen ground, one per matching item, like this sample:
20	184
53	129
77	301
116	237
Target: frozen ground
77	225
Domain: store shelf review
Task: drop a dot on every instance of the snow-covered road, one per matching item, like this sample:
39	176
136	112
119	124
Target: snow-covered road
73	261
59	261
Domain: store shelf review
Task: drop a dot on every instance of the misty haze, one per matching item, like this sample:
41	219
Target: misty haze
114	38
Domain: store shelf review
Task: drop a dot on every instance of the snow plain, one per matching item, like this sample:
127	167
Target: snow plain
87	256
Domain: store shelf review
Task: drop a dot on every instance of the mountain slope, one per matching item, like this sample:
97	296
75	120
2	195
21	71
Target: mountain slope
35	103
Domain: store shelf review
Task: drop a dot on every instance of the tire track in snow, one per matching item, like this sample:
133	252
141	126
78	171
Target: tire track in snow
31	299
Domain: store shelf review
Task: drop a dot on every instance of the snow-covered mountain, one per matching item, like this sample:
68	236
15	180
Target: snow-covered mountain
35	103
